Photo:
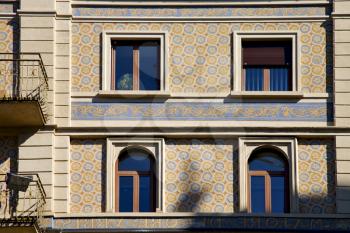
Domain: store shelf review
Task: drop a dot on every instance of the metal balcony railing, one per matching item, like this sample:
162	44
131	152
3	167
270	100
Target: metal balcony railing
23	77
22	200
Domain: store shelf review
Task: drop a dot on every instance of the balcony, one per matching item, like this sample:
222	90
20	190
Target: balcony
22	202
23	90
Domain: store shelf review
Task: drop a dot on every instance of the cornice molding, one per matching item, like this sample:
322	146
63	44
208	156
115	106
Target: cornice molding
197	3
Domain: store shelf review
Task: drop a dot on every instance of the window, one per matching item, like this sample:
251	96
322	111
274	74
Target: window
267	65
268	183
265	165
135	182
134	166
135	65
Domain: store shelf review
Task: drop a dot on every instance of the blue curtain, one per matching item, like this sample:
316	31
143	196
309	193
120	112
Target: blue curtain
254	79
279	79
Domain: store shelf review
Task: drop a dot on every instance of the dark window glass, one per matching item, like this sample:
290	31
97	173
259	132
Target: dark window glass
124	67
145	194
254	77
268	172
149	66
278	194
257	194
136	65
134	160
126	192
267	65
279	79
267	162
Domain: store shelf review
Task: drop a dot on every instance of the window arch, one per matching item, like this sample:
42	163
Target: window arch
268	182
135	181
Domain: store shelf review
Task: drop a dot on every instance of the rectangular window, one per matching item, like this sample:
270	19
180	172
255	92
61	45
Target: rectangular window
267	65
135	65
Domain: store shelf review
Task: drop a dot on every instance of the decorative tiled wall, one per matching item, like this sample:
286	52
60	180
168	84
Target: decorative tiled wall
87	176
201	175
8	154
316	165
8	44
198	11
200	53
179	111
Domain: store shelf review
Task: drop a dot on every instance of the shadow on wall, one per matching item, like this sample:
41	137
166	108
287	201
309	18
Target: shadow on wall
329	66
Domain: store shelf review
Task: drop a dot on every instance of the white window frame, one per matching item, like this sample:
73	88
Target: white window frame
109	36
288	147
239	36
155	146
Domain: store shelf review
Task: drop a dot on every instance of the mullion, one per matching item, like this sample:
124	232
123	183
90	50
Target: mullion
136	67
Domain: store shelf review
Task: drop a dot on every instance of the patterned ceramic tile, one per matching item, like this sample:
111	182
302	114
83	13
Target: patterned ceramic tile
9	7
199	53
203	111
87	176
8	44
198	11
201	175
8	154
316	167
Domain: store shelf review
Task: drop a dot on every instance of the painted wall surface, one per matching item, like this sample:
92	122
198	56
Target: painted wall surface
200	53
316	170
201	175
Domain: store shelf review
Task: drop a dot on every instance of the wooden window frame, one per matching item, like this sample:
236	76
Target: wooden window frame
268	188
136	186
136	63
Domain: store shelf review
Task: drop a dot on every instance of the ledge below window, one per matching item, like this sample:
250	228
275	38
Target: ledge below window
267	94
133	94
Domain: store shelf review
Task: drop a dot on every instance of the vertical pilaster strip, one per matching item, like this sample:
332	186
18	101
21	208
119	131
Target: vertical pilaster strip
63	63
61	174
341	24
35	155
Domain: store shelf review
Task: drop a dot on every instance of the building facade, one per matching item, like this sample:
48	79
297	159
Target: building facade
175	115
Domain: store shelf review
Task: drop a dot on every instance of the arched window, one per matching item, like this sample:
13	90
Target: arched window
268	182
135	182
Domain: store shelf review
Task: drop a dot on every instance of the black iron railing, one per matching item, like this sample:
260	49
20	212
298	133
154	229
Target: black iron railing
22	199
23	77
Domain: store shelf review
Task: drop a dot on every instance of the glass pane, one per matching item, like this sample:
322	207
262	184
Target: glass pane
279	79
257	193
149	66
145	194
124	67
267	161
254	78
126	194
134	160
278	194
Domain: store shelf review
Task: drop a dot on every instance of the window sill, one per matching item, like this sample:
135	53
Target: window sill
133	94
267	94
